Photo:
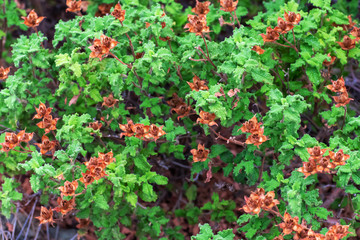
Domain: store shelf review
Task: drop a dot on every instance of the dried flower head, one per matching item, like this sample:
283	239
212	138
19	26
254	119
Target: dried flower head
46	216
207	118
337	86
97	50
25	137
140	130
271	35
182	110
290	224
316	152
97	172
331	62
65	206
346	27
269	201
201	8
127	129
69	188
283	27
198	84
308	168
46	145
4	73
339	231
292	17
257	138
228	5
107	158
95	125
253	204
200	154
48	123
83	223
251	126
118	13
338	158
107	43
356	33
175	101
342	100
73	5
347	43
42	111
324	165
5	147
87	178
197	24
109	101
258	49
103	9
32	20
11	140
155	132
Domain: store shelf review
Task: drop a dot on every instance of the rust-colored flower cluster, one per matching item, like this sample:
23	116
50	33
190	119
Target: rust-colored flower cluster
109	101
47	123
331	62
338	86
197	23
46	215
46	145
198	84
259	200
13	140
201	8
200	154
322	164
283	26
118	13
207	118
179	106
141	131
102	47
73	6
32	19
4	72
228	5
257	136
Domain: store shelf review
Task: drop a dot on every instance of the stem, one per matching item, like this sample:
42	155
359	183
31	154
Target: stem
293	36
207	50
227	139
292	45
198	60
128	65
236	18
130	42
281	44
345	107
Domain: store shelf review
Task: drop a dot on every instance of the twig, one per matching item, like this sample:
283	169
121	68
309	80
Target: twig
227	139
342	127
128	65
27	220
130	42
180	165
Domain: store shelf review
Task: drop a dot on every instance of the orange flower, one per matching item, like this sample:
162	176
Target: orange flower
109	101
73	6
97	172
5	147
107	158
11	140
347	43
200	155
356	33
175	101
257	138
258	49
207	118
308	168
283	27
316	152
339	231
127	129
25	137
198	84
65	206
155	132
86	178
103	9
337	86
48	123
345	27
83	223
147	25
46	145
269	201
42	111
228	5
251	126
140	130
118	13
97	50
95	162
197	24
292	17
4	73
338	158
342	99
324	165
32	20
95	125
271	35
182	110
328	63
46	216
290	224
107	43
201	8
253	204
69	188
